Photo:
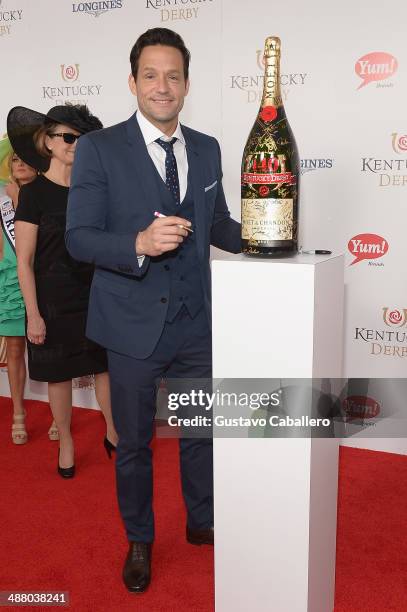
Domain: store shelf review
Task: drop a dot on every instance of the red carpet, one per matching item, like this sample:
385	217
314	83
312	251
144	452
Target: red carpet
67	535
371	573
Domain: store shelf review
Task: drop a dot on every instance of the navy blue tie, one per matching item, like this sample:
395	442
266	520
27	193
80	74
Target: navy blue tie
171	170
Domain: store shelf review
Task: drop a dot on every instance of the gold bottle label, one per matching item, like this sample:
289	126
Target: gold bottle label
267	219
271	99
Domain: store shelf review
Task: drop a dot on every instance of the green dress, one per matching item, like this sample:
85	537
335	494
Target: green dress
12	312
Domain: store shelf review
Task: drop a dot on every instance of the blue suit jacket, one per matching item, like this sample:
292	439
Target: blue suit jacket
113	196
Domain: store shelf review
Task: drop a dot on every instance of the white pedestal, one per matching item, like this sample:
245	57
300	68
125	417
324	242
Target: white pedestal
275	499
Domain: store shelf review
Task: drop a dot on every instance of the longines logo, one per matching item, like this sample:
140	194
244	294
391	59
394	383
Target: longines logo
389	171
70	73
175	13
252	85
386	342
8	18
74	91
308	165
377	66
96	8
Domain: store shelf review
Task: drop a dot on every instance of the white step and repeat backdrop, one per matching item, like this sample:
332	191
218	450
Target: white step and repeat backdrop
344	84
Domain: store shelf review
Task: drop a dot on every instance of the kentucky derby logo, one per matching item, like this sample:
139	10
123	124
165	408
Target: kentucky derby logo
395	317
70	73
399	143
8	19
70	89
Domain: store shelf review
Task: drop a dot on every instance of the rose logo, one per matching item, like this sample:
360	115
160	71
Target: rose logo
263	190
402	143
260	59
399	143
395	317
269	113
70	73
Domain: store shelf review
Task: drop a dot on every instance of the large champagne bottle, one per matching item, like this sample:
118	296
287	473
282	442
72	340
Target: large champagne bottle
270	171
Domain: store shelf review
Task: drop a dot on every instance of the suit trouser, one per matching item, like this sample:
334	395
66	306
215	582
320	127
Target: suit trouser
183	351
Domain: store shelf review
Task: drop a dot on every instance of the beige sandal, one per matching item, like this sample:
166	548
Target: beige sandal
53	432
18	431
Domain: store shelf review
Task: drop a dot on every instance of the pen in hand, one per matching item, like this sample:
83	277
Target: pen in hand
161	216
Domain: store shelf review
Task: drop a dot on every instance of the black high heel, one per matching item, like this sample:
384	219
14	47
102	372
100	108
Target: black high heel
68	472
109	447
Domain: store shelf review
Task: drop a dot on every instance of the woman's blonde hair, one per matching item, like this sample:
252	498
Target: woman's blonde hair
10	166
12	178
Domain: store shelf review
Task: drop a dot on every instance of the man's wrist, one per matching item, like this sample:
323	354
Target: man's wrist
139	245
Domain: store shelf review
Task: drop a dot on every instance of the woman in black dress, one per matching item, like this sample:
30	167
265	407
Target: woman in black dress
55	287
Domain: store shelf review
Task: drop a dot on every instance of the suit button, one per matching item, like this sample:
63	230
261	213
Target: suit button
163	300
181	278
166	267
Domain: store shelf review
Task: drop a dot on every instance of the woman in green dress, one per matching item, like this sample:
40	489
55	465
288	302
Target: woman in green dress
12	313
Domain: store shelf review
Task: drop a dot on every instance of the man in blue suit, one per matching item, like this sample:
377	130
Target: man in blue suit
150	297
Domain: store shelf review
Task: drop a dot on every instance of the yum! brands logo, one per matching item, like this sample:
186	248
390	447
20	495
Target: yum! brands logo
368	246
377	66
386	342
84	382
360	407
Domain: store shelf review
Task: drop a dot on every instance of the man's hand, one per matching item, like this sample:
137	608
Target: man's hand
162	235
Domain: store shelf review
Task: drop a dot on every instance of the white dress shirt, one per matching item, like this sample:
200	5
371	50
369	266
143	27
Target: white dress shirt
150	133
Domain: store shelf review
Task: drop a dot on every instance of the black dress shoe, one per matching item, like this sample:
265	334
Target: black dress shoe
137	568
109	447
68	472
200	536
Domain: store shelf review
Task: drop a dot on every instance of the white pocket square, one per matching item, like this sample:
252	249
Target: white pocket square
210	186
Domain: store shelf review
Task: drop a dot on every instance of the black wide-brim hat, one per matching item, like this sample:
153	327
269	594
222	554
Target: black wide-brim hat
22	124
